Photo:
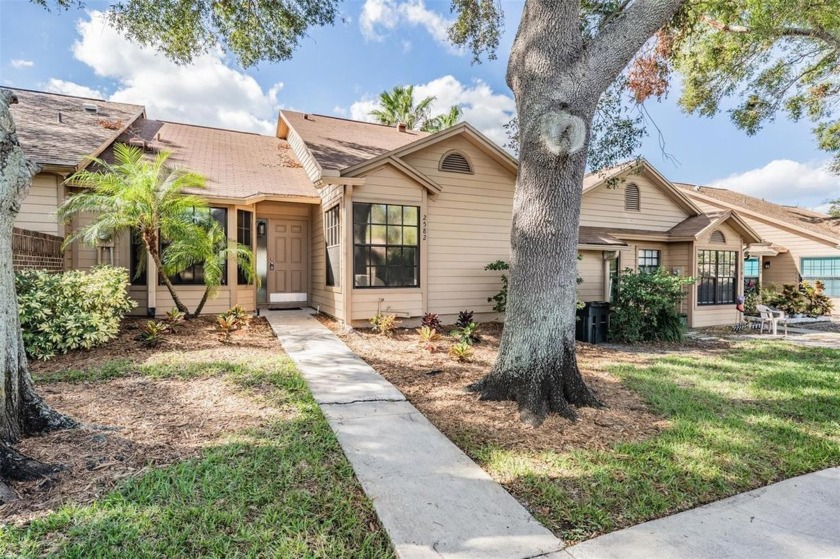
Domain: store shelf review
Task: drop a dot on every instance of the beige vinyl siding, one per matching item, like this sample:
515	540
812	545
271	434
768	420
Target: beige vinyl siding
386	185
717	315
246	296
604	207
37	212
329	300
468	226
191	295
591	268
678	260
140	294
313	170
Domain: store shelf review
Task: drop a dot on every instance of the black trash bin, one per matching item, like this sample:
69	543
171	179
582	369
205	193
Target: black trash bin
593	323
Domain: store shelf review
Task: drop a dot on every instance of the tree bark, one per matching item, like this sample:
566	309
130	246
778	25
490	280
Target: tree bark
557	77
23	412
201	303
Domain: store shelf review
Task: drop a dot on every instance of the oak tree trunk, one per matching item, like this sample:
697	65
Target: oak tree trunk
557	77
23	412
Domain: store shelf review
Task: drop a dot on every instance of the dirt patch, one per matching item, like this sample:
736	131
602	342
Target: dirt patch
133	424
436	385
833	326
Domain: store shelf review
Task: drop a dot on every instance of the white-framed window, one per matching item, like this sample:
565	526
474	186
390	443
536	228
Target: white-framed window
823	269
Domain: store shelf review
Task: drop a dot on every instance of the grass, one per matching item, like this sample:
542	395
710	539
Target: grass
285	490
759	414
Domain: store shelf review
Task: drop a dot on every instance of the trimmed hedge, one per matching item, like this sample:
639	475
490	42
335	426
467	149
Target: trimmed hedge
70	310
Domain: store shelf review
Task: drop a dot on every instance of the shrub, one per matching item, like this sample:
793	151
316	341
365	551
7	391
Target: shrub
819	304
500	298
428	337
226	324
800	299
238	316
646	307
384	323
465	318
174	317
466	334
461	352
71	310
431	320
151	335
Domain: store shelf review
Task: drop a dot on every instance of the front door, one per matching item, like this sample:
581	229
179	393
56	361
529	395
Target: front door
288	263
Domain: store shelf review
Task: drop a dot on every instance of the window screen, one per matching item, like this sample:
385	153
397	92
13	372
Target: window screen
332	240
718	276
386	246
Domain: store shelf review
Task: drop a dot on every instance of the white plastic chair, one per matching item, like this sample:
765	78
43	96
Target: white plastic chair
772	318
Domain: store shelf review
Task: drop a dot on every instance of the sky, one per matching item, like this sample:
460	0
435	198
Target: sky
340	70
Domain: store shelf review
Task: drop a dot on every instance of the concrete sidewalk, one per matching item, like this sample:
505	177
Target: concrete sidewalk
797	518
431	498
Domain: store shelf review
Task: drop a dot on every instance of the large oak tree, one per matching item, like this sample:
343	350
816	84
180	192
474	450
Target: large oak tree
771	55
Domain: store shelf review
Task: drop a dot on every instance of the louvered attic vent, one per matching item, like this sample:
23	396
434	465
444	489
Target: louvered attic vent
631	198
717	237
455	163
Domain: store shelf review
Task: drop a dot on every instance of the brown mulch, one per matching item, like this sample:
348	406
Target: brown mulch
133	424
436	385
833	326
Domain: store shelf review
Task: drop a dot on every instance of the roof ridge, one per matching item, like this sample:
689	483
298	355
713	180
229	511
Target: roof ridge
71	96
353	120
212	128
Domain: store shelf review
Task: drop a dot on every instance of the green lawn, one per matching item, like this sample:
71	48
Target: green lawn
282	491
758	414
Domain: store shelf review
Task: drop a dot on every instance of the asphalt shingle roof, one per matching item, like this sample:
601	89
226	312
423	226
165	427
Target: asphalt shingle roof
56	129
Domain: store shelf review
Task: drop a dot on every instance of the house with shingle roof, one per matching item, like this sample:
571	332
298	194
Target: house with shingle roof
805	245
355	218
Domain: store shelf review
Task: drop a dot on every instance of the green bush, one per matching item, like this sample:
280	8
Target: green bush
71	310
646	307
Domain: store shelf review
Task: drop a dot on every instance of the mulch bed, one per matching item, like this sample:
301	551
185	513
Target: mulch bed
133	424
833	326
436	385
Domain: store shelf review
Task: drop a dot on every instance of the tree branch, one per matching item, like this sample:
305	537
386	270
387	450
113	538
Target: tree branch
815	33
609	51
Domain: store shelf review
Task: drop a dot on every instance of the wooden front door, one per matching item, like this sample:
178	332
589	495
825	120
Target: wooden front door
288	263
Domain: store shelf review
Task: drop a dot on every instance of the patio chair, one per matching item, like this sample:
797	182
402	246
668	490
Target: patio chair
772	318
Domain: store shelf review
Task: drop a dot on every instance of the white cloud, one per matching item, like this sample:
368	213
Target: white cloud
483	108
339	110
380	17
21	63
787	182
72	88
206	92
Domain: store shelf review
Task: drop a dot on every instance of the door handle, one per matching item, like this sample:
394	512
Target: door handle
271	264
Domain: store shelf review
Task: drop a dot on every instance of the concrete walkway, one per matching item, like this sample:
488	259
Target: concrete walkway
431	498
797	518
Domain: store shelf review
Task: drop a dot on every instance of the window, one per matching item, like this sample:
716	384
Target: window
718	237
137	259
244	236
718	276
613	271
750	275
454	162
332	238
826	270
386	247
648	260
194	275
632	198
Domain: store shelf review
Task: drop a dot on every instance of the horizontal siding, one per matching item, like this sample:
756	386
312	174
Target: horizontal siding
468	226
37	212
386	185
397	301
328	299
191	295
591	270
604	207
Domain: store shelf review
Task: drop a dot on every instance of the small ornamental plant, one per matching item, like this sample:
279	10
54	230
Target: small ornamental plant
461	351
384	323
226	325
151	334
431	320
427	338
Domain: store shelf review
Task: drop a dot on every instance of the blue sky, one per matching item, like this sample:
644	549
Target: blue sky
339	70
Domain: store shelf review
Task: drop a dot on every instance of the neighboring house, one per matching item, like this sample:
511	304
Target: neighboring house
354	218
632	217
805	244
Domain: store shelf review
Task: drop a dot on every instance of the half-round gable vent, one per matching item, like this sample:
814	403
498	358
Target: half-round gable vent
718	237
631	198
454	162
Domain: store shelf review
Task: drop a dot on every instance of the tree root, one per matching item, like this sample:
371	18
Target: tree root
18	467
39	418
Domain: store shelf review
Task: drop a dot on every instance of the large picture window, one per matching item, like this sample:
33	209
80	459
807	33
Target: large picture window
332	240
826	270
194	275
386	247
648	260
718	277
245	237
751	274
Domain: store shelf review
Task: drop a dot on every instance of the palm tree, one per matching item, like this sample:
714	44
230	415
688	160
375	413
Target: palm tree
138	195
443	121
397	106
208	245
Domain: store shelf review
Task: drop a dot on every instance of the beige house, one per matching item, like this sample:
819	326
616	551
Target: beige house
354	218
805	244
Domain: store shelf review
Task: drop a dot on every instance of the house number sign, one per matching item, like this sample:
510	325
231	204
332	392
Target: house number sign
424	227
